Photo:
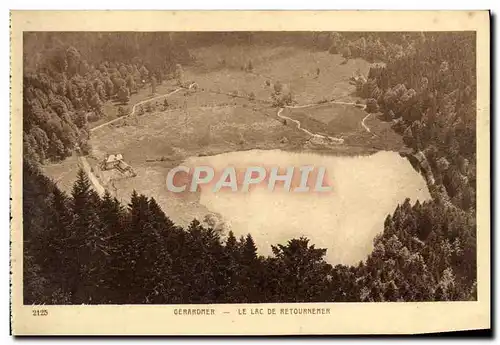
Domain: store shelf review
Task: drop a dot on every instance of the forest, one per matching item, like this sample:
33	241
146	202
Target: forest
86	249
81	248
64	88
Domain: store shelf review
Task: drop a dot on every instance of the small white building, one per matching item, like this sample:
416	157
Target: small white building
112	161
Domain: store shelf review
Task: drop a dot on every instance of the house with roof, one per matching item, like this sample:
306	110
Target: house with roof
112	161
117	162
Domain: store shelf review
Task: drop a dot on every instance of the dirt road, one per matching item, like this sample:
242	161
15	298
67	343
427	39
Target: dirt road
299	126
364	125
134	108
337	140
316	104
93	179
83	160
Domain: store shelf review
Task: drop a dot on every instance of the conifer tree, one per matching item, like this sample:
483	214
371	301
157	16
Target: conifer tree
87	234
304	269
249	251
59	242
231	244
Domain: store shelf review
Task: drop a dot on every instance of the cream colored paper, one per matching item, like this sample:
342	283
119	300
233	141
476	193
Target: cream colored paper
335	318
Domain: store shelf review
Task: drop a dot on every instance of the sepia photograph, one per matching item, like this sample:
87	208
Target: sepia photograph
201	168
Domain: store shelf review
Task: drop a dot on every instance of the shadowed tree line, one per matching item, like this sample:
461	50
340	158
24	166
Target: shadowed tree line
69	76
86	249
427	88
81	248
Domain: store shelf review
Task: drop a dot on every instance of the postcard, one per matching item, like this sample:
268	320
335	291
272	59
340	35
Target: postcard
250	172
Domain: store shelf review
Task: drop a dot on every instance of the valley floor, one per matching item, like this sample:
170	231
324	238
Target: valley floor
231	110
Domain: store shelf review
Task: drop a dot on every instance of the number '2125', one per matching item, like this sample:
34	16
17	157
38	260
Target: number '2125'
40	312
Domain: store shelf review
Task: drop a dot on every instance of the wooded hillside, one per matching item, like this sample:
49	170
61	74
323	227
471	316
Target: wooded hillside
85	249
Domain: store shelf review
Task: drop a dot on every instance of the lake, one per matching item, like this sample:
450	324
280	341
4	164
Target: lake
344	221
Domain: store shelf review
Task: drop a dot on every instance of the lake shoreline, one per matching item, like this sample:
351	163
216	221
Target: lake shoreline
366	189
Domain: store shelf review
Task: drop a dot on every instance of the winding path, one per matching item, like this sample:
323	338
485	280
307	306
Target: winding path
315	135
319	104
134	107
141	103
365	126
93	179
99	188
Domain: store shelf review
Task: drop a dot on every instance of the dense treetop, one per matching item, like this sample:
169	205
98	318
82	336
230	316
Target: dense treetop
86	249
81	248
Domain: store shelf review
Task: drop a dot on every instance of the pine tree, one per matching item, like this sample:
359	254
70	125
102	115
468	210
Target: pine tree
59	241
160	221
249	251
124	262
231	244
81	193
110	214
87	236
111	219
304	270
141	240
249	269
232	269
164	281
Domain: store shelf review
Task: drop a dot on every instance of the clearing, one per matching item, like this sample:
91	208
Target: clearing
231	111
